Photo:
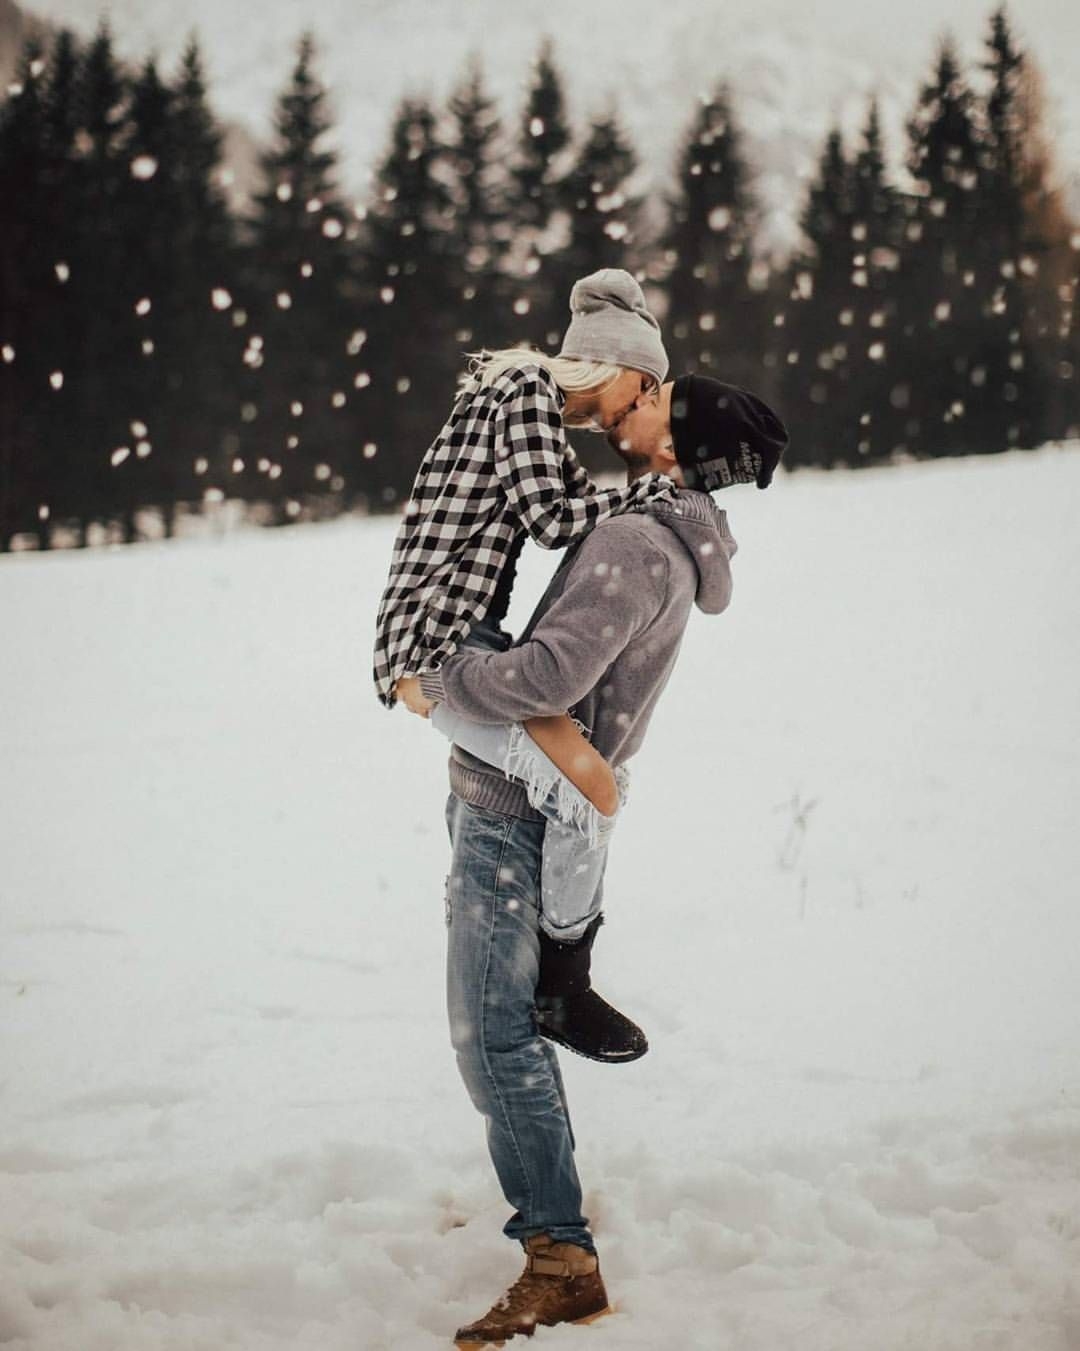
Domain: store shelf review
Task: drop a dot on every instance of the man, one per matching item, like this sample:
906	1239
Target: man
602	643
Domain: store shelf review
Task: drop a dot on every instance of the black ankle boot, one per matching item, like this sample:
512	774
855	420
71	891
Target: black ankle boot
570	1012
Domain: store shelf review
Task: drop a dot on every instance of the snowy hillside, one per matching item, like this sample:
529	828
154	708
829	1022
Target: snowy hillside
793	67
843	903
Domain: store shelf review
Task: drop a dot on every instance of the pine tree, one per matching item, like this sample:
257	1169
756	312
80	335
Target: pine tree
1047	262
539	301
101	297
295	444
61	94
544	136
603	212
813	335
25	477
1069	349
1005	411
410	312
718	316
197	416
867	371
940	310
480	234
147	211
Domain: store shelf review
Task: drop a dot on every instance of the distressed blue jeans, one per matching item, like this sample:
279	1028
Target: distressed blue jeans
511	1073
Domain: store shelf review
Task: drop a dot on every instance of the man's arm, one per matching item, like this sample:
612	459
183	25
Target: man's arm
614	589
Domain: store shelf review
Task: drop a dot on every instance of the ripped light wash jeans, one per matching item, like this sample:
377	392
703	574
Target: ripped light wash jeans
576	841
511	1073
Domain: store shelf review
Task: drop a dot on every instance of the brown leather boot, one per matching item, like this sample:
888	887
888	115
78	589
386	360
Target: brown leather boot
561	1283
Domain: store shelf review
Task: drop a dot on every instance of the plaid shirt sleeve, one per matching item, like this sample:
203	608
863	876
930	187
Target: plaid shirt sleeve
531	452
577	477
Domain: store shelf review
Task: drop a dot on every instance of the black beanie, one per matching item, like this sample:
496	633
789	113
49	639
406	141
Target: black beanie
723	434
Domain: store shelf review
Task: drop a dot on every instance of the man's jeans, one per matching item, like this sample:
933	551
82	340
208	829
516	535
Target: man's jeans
511	1073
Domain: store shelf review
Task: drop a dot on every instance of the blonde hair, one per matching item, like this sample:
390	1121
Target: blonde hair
571	374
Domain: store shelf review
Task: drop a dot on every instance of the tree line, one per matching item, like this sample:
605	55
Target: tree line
162	347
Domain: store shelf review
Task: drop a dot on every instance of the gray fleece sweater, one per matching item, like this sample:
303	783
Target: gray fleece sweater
601	643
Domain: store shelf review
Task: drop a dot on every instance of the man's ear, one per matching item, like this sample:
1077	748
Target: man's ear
666	455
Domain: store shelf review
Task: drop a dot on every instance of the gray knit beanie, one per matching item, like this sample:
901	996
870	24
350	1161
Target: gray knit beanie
610	322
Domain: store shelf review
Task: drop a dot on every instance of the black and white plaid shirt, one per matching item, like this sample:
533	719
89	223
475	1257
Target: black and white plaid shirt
500	466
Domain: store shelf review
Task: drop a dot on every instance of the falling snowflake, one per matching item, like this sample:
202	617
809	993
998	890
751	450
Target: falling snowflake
56	379
63	272
220	298
719	218
119	455
142	307
144	167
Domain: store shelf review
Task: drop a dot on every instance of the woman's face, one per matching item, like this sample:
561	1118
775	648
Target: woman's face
600	412
646	428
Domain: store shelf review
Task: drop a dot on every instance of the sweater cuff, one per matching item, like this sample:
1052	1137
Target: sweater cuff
431	687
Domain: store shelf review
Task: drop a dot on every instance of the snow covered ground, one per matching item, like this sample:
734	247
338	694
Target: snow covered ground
843	903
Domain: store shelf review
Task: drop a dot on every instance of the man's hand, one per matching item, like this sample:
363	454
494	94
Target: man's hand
412	696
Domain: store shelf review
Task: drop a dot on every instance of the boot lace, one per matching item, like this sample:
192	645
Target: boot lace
525	1290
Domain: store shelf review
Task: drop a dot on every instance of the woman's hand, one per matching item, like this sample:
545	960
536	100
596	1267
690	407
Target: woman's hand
412	696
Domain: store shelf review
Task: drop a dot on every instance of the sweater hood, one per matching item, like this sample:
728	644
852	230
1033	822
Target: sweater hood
702	529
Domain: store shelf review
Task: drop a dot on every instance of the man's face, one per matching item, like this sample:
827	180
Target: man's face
645	429
600	412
